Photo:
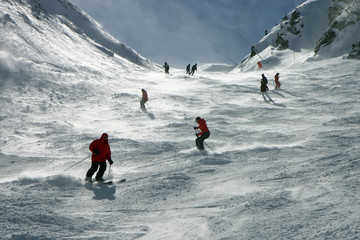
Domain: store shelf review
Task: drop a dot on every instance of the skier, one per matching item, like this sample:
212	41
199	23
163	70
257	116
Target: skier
193	69
203	134
253	52
264	79
188	69
100	153
277	83
144	99
167	67
264	88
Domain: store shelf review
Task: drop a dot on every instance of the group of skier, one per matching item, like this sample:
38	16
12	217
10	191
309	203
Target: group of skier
193	69
264	88
202	131
101	150
201	135
189	70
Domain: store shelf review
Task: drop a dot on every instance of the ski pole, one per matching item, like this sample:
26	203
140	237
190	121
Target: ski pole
109	170
248	44
77	163
208	146
205	143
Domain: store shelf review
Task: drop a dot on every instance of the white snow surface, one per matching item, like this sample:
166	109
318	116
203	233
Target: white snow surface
282	170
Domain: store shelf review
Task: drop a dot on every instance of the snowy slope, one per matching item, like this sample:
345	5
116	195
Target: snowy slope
50	53
283	170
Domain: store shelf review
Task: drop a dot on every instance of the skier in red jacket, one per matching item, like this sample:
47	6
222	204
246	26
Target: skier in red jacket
203	134
278	84
144	99
100	153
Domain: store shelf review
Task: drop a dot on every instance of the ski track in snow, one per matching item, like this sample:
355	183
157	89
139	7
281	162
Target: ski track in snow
283	170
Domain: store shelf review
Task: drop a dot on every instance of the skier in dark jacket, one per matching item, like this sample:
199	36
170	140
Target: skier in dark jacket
100	153
167	67
193	69
264	88
188	69
203	134
264	79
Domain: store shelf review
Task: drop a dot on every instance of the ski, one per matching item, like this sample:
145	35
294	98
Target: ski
113	181
107	182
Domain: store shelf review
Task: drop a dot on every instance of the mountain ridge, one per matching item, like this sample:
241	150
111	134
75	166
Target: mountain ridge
63	16
317	29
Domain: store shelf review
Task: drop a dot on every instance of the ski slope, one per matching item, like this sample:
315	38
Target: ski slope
287	170
282	170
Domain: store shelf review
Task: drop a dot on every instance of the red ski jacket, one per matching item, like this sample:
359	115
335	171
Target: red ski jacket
103	147
277	78
202	126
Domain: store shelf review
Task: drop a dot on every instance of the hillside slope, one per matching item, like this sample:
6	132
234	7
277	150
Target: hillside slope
41	32
315	30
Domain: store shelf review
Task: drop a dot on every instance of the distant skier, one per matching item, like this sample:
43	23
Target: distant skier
193	69
264	88
188	69
203	134
253	52
167	67
264	79
100	153
144	99
277	83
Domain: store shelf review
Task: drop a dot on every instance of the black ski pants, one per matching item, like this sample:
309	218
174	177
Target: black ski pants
200	140
94	167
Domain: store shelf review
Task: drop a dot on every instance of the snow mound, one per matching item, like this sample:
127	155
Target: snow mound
213	67
60	181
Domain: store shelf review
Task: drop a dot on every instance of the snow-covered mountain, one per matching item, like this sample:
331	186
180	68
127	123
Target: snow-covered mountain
317	29
58	25
281	169
53	49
